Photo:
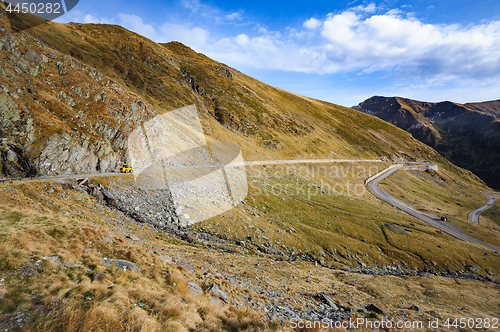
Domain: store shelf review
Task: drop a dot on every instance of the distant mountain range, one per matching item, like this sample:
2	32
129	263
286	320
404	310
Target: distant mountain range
466	134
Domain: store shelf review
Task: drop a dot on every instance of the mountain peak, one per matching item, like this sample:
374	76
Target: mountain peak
466	134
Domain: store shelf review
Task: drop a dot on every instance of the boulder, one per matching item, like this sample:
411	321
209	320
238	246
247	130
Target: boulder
374	308
166	259
472	268
416	308
121	264
96	192
98	276
54	259
68	264
194	289
327	300
187	266
215	290
9	112
133	237
107	239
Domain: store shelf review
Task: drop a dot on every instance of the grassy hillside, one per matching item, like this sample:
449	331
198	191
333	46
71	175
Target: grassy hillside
264	120
58	225
440	194
40	293
493	214
71	94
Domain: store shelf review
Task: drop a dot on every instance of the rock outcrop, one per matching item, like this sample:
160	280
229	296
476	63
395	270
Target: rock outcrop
60	116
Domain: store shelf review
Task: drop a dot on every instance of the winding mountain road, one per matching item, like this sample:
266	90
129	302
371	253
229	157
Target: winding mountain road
372	184
474	215
233	164
442	225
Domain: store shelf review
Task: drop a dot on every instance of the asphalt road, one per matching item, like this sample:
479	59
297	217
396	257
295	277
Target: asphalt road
442	225
233	164
474	215
59	177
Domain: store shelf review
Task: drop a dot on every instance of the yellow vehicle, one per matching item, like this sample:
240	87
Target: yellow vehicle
126	169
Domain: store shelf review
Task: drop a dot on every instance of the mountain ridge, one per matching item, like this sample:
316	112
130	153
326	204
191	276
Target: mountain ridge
82	83
466	134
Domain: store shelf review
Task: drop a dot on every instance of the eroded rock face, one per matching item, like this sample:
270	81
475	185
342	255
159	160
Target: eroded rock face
59	116
13	162
9	112
62	155
143	202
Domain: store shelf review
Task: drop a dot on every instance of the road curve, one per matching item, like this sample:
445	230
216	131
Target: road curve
444	226
474	215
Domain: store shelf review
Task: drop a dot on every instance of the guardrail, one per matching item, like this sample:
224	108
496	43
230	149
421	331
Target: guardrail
410	168
373	177
33	178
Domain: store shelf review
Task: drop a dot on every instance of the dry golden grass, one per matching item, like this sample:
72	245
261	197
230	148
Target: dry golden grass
91	306
70	301
342	230
491	215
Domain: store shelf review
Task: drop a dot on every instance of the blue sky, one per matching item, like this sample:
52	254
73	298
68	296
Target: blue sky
339	51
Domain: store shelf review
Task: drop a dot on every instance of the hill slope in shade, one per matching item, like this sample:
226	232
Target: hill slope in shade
466	134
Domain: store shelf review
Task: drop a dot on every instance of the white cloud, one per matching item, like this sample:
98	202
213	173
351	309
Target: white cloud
390	42
136	24
312	23
371	8
89	18
242	39
358	41
269	51
262	29
193	5
362	40
234	16
394	12
215	14
194	37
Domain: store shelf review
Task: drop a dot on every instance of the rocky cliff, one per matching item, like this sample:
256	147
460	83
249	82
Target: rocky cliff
60	116
466	134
